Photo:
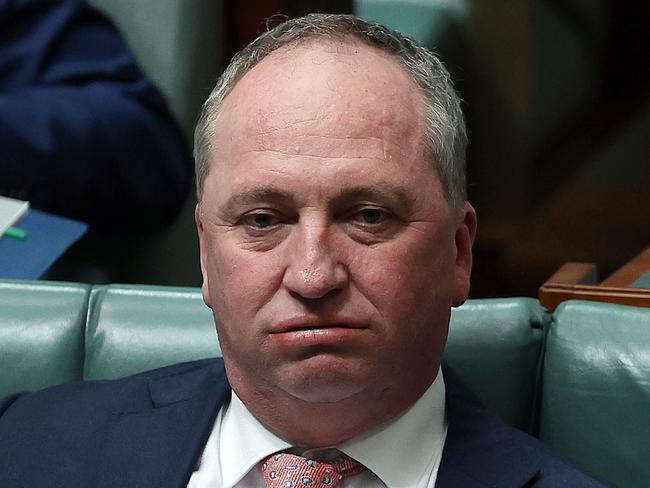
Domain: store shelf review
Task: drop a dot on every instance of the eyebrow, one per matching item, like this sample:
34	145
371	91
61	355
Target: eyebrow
256	195
380	192
377	192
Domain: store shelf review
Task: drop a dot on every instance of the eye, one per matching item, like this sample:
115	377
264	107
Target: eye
263	228
371	216
371	224
260	220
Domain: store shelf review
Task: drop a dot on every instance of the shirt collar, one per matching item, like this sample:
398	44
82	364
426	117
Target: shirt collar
414	439
402	451
248	441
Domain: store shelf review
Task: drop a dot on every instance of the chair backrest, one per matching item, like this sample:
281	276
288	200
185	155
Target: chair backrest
41	334
495	346
137	328
595	404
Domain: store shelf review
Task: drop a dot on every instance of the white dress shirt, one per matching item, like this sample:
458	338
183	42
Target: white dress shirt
403	453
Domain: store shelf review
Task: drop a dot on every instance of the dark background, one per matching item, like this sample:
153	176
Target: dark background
557	97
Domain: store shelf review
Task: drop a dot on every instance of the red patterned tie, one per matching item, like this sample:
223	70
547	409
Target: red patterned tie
285	470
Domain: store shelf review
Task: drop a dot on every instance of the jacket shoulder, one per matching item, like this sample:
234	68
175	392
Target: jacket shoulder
61	431
83	407
99	395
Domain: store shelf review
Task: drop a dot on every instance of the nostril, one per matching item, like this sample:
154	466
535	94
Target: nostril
315	300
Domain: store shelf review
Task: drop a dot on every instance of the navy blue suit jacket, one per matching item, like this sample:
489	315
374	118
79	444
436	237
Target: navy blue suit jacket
150	429
83	133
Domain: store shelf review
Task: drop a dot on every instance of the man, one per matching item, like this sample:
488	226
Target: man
335	238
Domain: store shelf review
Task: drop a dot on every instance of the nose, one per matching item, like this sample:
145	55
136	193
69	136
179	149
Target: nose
314	267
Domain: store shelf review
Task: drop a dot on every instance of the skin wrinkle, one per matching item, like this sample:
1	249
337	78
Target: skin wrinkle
277	172
287	125
385	152
336	138
292	124
301	155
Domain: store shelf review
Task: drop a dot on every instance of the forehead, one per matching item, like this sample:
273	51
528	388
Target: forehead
344	89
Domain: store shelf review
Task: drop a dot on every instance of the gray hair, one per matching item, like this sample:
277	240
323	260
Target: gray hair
445	135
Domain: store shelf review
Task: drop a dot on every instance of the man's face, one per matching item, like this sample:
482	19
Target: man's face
330	256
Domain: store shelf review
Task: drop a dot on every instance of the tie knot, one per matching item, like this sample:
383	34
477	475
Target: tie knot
284	470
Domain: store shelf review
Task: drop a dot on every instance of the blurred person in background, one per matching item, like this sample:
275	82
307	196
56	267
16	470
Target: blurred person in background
84	134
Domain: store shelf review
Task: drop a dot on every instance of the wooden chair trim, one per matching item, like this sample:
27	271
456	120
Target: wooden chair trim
577	281
551	295
631	271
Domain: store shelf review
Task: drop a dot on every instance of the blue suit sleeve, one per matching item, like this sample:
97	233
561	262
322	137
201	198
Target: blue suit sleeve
83	133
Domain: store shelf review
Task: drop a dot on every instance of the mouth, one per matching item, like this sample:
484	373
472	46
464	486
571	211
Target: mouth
307	326
303	336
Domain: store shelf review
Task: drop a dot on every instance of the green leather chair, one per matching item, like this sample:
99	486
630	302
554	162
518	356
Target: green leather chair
579	379
41	334
595	404
495	346
132	329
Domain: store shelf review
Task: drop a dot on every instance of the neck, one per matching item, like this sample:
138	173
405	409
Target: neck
318	425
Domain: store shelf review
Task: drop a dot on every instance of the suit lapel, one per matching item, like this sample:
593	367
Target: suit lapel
480	450
160	446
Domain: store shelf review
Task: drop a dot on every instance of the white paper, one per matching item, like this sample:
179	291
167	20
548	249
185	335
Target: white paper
10	211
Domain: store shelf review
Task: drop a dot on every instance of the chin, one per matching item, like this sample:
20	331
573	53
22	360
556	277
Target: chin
323	383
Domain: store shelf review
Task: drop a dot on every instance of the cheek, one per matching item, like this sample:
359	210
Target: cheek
399	277
240	280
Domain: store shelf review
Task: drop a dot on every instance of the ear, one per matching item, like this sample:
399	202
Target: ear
203	251
464	239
